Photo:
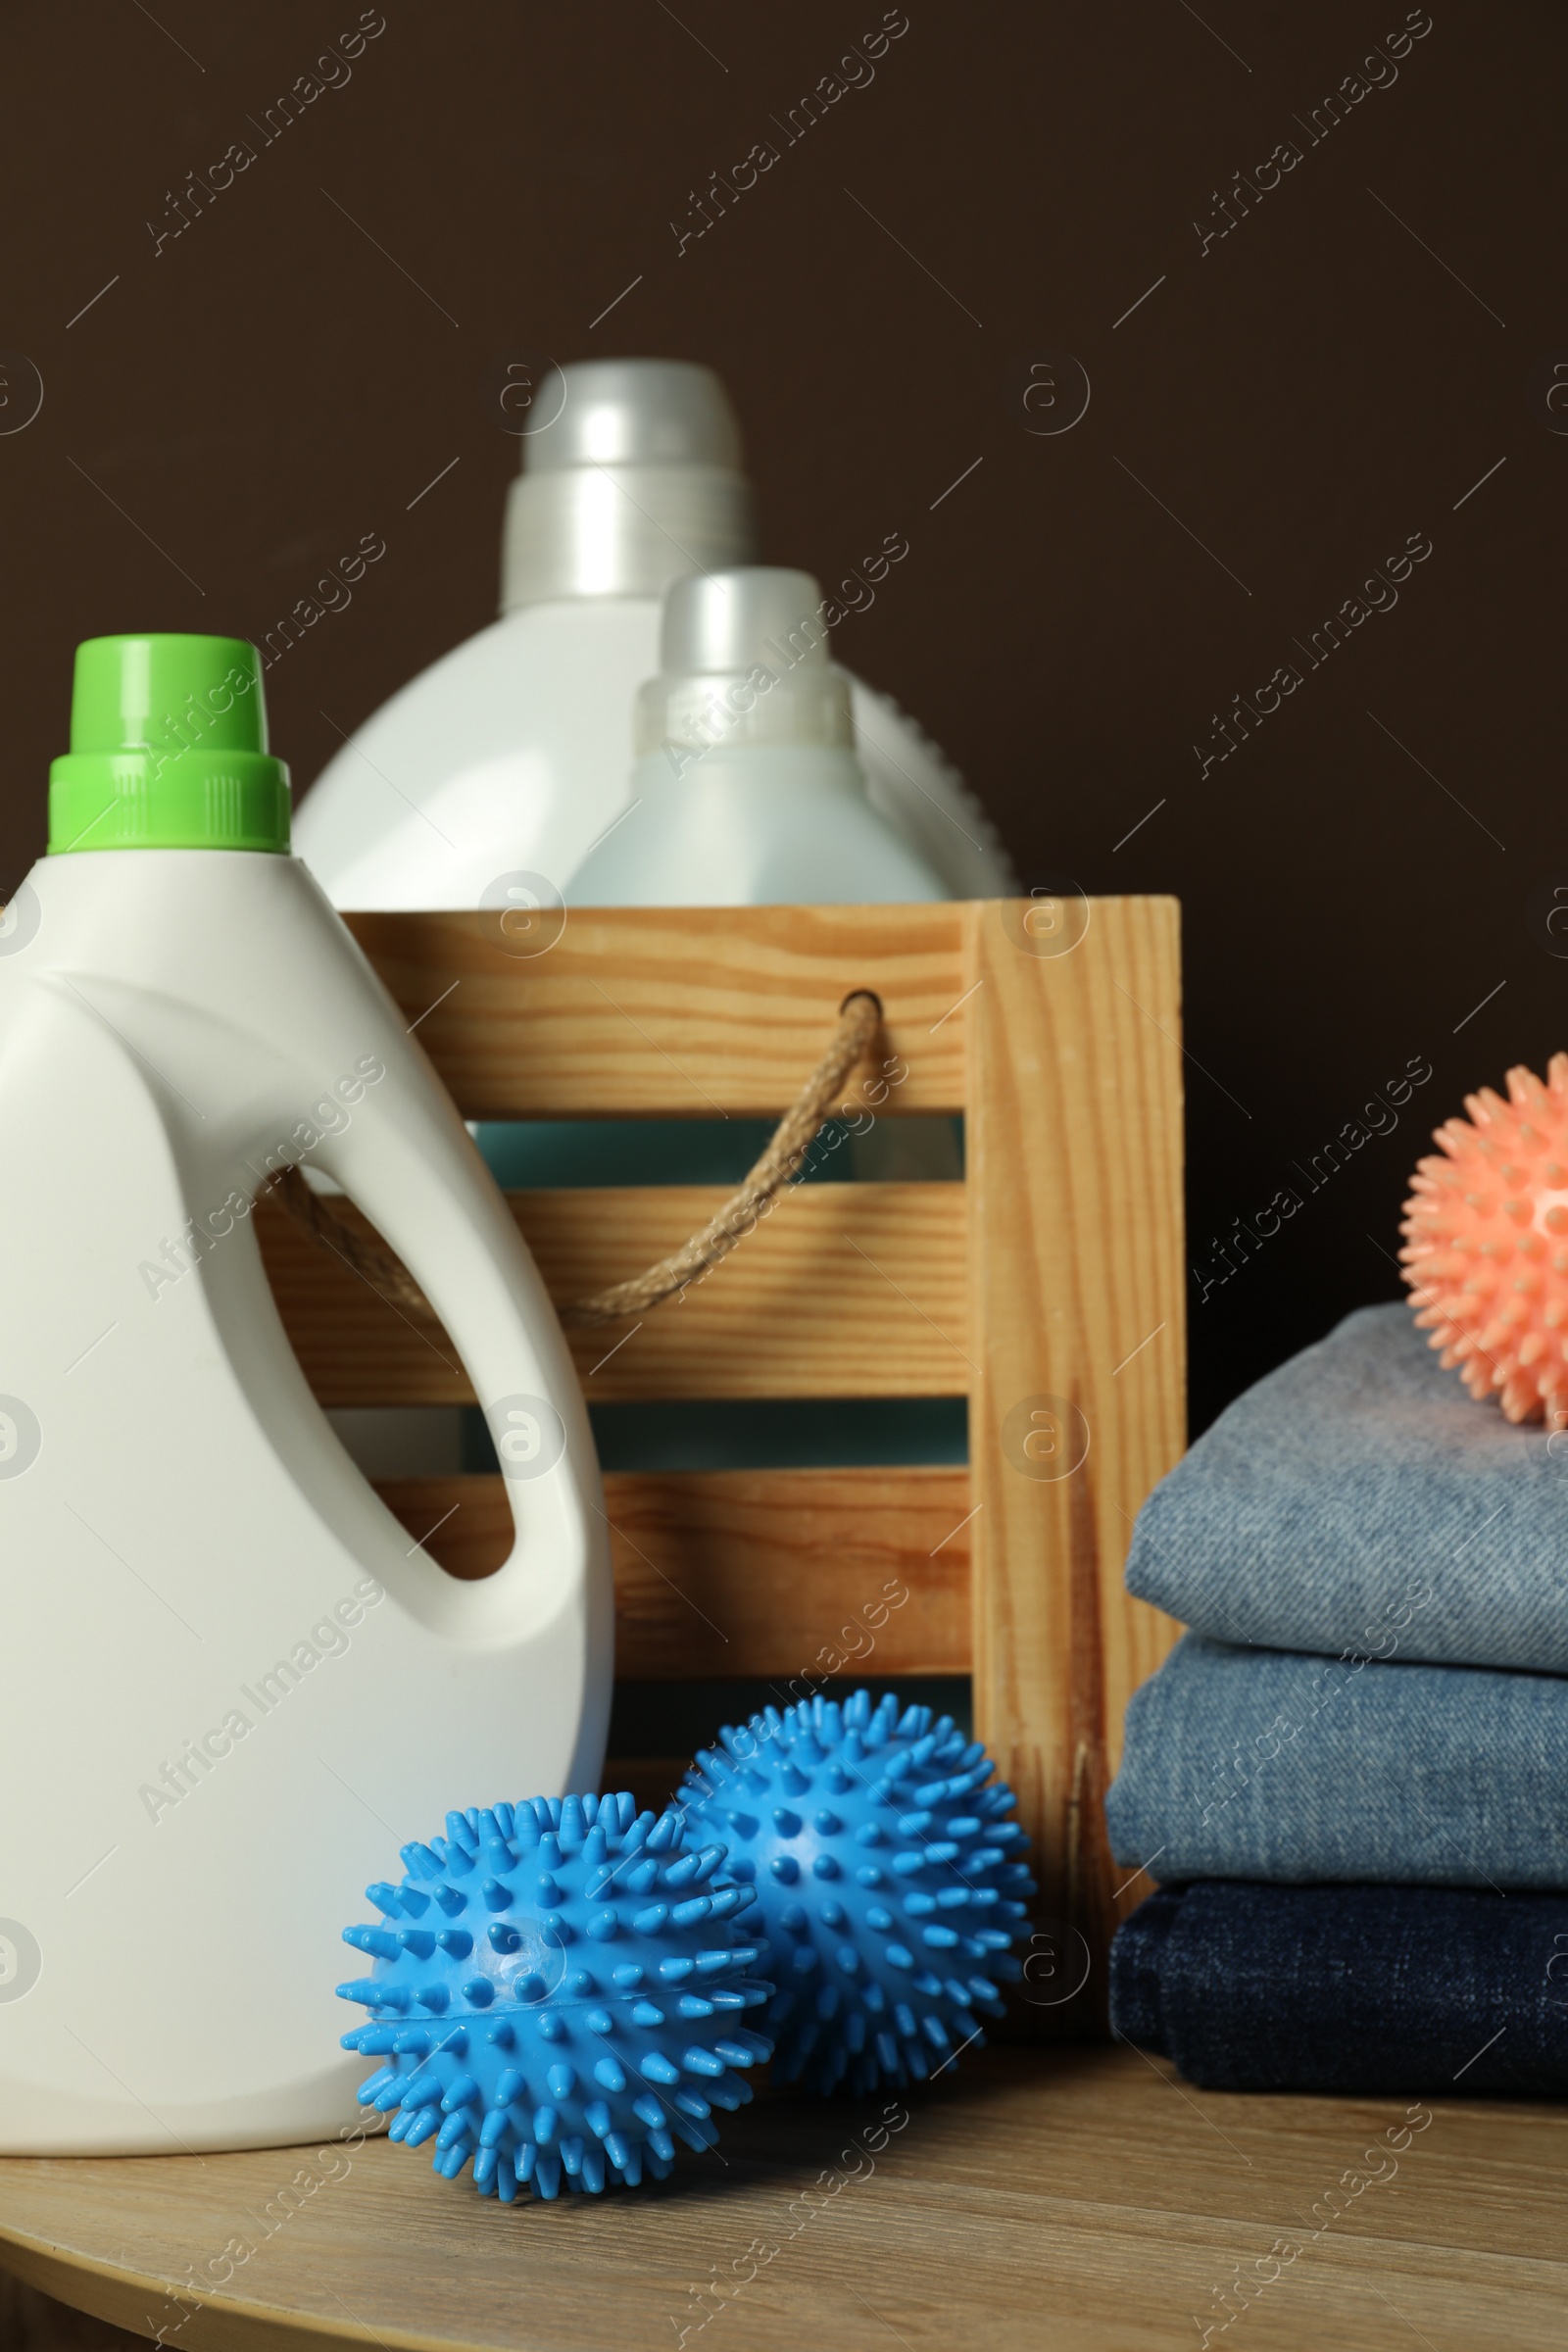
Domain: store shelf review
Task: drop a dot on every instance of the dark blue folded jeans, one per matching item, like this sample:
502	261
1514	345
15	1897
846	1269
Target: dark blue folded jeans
1359	1472
1348	1989
1267	1764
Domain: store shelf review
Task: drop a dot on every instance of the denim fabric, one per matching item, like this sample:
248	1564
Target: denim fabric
1308	1509
1348	1989
1265	1764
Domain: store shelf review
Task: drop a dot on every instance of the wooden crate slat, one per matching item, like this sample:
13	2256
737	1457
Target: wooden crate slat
845	1289
788	1573
1078	1301
672	1012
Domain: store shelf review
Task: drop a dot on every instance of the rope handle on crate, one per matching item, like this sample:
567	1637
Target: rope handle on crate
860	1018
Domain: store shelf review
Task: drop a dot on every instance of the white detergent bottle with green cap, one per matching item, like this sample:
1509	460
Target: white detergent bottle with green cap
747	789
228	1675
504	762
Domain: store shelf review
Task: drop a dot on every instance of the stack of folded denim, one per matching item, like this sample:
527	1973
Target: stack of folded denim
1350	1778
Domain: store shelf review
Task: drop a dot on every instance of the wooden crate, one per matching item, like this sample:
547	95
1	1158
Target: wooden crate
1048	1288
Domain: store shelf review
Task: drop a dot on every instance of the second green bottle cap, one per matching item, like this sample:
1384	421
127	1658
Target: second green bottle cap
168	750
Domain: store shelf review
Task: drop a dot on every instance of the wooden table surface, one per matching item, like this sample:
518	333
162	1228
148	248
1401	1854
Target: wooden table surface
1081	2200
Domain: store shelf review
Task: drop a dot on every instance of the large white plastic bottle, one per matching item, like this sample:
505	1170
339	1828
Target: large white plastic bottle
512	753
230	1685
748	790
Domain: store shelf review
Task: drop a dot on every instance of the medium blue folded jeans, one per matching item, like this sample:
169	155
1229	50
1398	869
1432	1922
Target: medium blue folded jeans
1268	1764
1357	1472
1348	1989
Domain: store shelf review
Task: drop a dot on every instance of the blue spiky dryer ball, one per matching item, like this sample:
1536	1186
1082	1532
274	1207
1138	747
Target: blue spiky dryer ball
887	1877
556	1992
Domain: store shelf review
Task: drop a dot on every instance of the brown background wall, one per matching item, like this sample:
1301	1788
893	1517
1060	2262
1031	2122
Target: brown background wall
1278	415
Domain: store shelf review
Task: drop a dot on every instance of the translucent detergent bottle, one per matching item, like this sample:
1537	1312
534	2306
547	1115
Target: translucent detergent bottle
228	1682
512	753
748	790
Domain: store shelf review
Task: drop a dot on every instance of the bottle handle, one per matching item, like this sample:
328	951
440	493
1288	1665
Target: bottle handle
420	1180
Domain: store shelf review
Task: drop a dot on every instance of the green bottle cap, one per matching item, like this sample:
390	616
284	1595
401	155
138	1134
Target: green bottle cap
168	750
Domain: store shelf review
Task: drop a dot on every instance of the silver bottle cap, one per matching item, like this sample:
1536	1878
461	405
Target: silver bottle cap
744	661
634	482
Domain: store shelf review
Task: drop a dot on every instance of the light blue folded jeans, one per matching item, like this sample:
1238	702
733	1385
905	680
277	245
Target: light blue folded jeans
1358	1471
1269	1764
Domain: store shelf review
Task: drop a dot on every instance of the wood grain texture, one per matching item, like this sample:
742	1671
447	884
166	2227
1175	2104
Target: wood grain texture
791	1574
1072	2198
672	1012
1074	1196
844	1290
1061	1294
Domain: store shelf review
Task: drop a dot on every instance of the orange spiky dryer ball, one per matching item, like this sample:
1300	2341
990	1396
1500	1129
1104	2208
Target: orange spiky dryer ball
1486	1250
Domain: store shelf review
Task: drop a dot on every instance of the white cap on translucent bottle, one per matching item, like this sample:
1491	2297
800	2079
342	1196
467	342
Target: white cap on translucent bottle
631	479
744	659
